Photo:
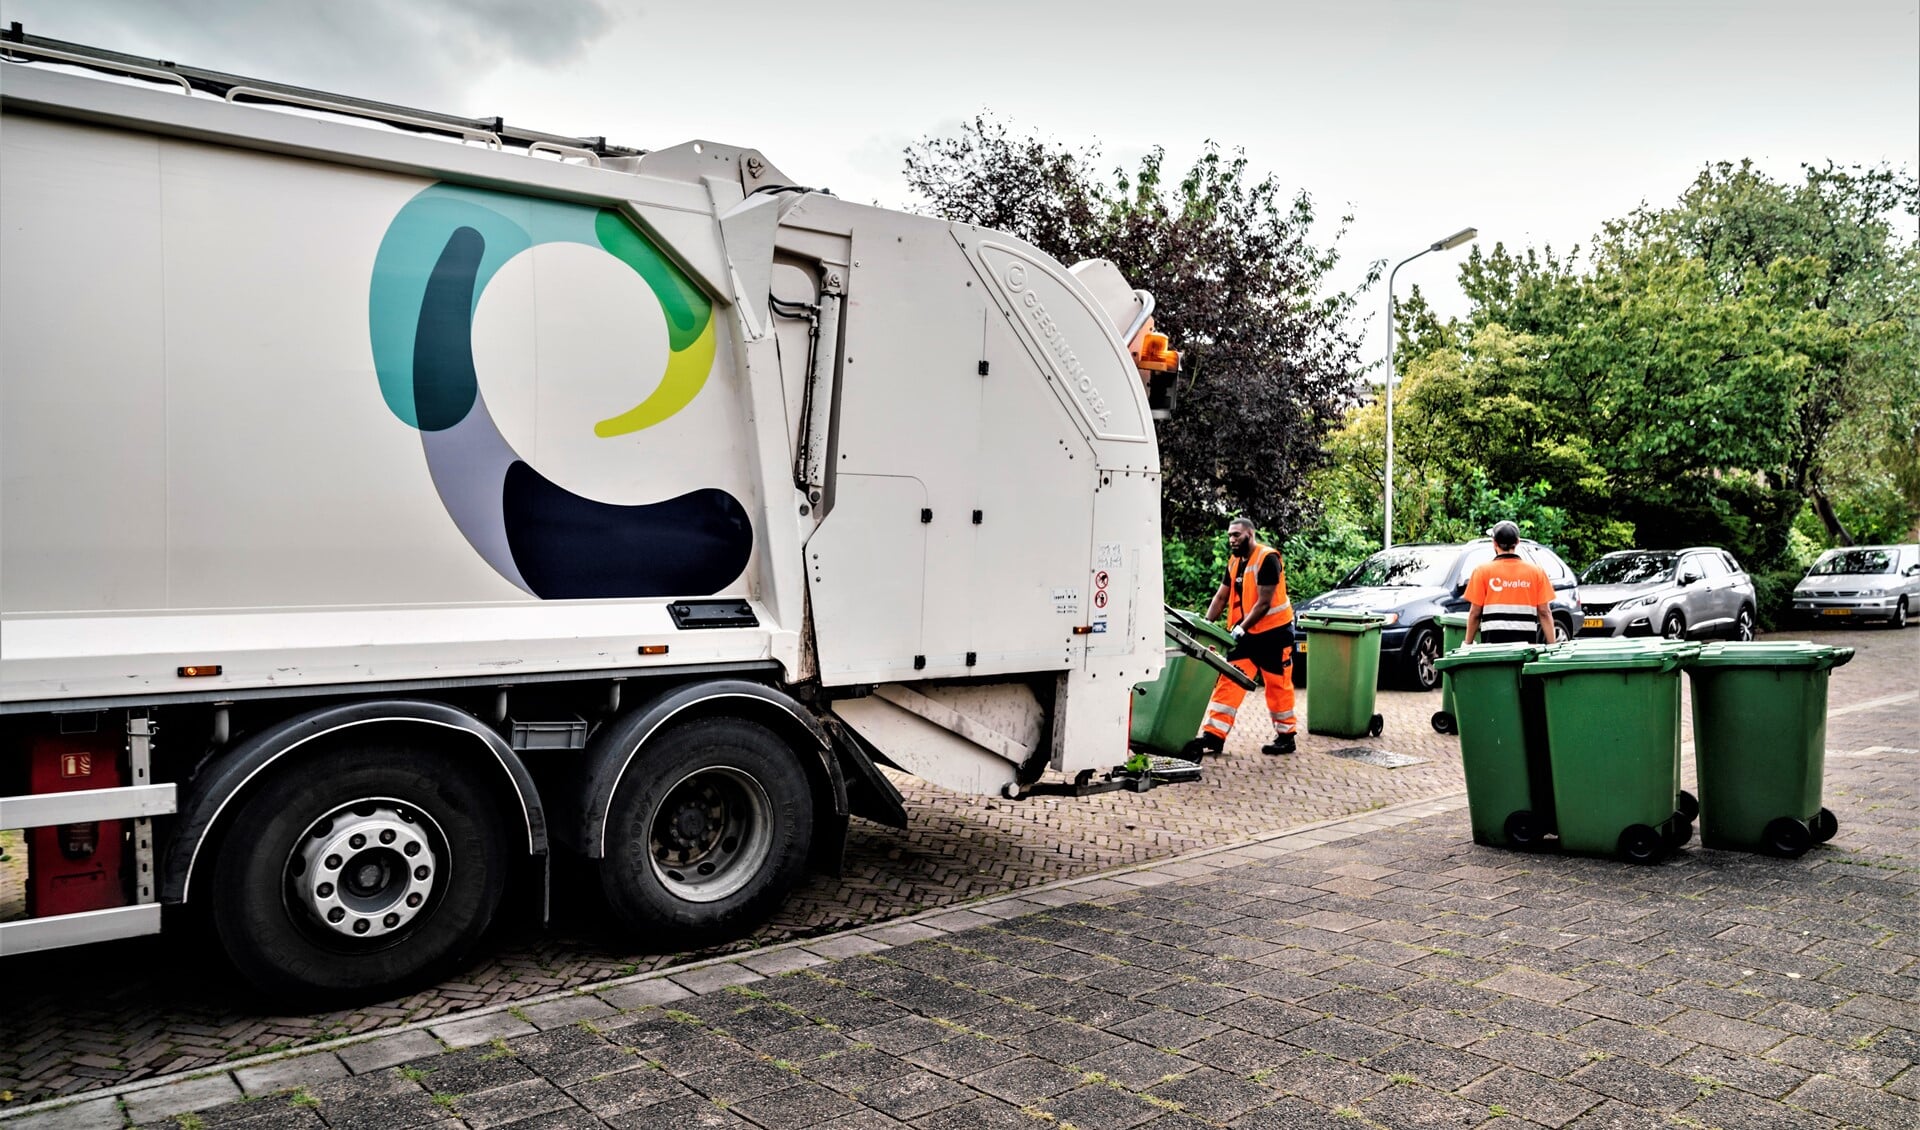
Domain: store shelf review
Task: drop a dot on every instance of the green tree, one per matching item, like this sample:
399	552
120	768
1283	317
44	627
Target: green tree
1844	236
1270	354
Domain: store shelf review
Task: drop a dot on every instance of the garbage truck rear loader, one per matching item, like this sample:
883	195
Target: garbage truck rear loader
391	500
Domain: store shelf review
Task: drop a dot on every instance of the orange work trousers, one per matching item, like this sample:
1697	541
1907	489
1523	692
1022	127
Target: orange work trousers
1227	696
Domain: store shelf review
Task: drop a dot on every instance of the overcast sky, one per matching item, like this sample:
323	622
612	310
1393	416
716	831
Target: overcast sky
1533	120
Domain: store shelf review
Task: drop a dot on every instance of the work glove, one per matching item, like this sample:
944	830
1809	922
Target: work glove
1239	631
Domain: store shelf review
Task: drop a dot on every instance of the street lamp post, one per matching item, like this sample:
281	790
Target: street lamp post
1447	244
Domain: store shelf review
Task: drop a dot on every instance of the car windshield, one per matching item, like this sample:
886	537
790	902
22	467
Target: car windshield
1853	561
1630	569
1404	566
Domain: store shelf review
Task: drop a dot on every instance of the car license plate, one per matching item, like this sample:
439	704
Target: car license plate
1836	611
1593	622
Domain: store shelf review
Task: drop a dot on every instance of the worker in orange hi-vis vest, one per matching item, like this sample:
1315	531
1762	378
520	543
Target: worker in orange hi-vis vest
1510	598
1254	594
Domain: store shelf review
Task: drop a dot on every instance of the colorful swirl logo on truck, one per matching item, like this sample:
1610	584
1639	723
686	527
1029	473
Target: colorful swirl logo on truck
438	255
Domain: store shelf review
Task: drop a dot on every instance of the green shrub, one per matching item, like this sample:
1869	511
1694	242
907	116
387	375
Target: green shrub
1773	591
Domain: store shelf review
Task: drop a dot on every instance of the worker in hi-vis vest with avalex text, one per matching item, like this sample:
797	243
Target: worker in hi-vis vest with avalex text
1509	596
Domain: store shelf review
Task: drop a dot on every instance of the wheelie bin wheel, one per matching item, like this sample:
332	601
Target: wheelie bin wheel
1688	804
1679	831
1642	844
1524	831
1823	826
1376	725
1443	722
1786	837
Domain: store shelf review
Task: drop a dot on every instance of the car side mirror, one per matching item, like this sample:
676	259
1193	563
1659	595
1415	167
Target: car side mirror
1689	578
1913	570
1461	588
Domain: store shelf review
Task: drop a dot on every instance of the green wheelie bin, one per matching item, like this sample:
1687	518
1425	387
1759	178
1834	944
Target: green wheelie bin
1167	711
1613	744
1343	674
1503	742
1759	743
1453	633
1685	803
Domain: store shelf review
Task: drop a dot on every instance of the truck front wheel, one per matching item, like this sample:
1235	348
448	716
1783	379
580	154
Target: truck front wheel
360	871
707	832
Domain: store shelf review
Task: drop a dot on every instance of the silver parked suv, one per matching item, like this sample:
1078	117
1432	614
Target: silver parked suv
1675	593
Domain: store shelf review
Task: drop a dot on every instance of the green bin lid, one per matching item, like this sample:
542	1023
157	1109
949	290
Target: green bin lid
1451	620
1205	630
1637	655
1800	654
1610	644
1471	654
1340	623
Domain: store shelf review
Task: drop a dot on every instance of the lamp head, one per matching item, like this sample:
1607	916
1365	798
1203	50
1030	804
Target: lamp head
1455	240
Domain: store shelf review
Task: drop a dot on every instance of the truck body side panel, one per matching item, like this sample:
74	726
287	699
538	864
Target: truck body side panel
203	464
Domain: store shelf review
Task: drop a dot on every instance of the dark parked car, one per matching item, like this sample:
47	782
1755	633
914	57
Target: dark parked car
1411	584
1676	593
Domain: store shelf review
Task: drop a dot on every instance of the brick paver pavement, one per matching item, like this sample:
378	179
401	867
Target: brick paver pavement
1342	903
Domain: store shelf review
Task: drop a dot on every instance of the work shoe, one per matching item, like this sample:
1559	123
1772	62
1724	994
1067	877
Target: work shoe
1201	746
1282	743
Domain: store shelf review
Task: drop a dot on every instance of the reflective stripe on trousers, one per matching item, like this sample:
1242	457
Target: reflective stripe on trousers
1224	710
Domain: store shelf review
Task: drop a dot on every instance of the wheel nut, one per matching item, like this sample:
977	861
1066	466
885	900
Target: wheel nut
386	835
421	872
332	863
360	926
356	841
324	890
413	900
390	921
412	848
336	914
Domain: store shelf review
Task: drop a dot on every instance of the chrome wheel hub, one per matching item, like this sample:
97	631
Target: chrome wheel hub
367	869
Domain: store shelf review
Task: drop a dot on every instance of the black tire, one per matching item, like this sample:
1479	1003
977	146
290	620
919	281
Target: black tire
1524	831
1444	723
1679	832
678	876
1423	647
1687	805
1743	624
268	909
1376	725
1562	629
1674	626
1899	618
1786	837
1642	844
1824	826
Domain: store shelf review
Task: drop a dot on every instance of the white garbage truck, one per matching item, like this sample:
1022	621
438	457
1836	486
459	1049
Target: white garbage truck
392	500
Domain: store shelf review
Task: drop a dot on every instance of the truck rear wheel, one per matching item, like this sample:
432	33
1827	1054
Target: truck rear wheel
708	831
360	870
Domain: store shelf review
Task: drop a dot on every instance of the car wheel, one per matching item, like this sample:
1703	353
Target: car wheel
1674	627
1899	618
1562	629
1743	624
1423	649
